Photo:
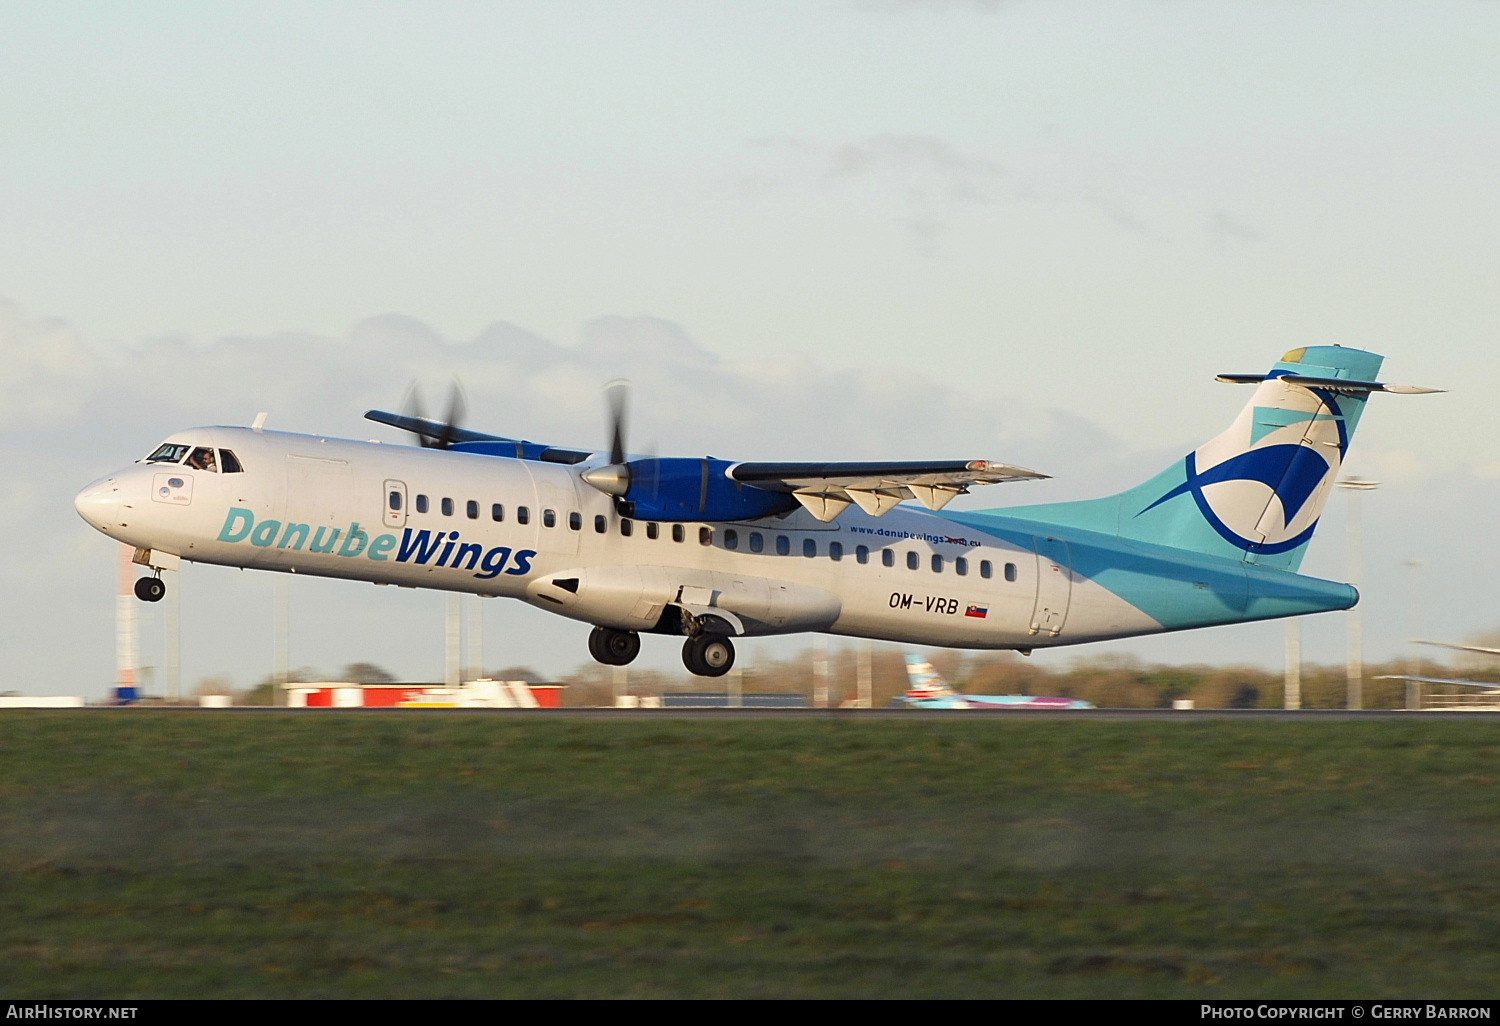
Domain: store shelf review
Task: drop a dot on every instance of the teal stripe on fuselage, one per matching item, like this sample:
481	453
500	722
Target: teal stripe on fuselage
1176	588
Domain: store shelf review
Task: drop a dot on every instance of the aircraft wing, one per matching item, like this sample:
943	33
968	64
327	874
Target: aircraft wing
431	428
827	489
1462	648
1492	685
459	436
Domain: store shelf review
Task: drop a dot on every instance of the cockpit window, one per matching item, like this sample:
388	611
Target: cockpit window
168	452
203	459
230	463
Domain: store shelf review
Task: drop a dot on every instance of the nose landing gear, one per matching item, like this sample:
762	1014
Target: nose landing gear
150	589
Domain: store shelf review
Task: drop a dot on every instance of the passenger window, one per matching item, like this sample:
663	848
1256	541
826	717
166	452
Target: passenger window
394	501
705	536
549	518
472	508
937	564
626	527
447	507
757	541
575	521
783	545
731	538
653	530
421	504
912	561
203	459
1010	571
835	551
887	557
984	569
678	534
862	553
601	523
523	514
961	566
809	548
230	462
497	512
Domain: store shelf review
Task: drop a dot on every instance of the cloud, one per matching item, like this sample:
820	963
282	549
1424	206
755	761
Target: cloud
924	184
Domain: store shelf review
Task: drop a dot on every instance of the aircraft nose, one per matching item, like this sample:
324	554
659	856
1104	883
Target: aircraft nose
100	503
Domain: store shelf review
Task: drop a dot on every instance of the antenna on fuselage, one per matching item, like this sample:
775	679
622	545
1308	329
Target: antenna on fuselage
259	423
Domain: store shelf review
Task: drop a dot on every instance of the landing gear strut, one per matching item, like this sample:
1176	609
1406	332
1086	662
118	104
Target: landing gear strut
150	589
708	655
612	647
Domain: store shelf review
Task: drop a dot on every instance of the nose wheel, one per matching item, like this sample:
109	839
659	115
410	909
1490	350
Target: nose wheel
708	655
150	589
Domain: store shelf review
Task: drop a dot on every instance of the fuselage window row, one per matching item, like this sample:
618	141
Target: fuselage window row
755	540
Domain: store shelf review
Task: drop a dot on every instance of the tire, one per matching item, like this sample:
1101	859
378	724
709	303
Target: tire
150	589
612	647
708	655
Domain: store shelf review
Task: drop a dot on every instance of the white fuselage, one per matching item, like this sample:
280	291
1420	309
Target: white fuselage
535	531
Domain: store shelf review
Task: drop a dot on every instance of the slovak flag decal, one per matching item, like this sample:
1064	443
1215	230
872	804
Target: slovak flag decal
979	611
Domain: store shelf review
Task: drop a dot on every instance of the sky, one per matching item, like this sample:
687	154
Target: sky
1019	230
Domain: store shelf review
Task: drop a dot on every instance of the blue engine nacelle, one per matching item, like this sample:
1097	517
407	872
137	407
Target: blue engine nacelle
681	488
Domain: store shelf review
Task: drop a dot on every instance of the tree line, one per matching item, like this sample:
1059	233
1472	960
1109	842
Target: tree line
1109	681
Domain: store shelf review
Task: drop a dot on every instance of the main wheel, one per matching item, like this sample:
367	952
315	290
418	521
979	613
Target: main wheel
612	647
708	655
150	589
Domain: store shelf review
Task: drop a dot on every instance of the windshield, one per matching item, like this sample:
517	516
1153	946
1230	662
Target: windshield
168	452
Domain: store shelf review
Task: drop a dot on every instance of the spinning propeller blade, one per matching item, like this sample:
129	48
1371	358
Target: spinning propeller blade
447	430
614	477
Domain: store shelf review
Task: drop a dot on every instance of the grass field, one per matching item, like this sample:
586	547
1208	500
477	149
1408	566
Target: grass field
325	854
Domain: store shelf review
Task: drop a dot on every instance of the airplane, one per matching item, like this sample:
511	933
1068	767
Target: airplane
930	691
710	551
1488	697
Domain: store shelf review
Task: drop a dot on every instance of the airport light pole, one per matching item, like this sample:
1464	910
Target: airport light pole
125	653
474	637
452	671
1414	661
172	644
1292	690
281	656
1356	667
820	673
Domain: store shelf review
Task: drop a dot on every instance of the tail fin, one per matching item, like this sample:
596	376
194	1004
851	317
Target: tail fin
924	681
1255	492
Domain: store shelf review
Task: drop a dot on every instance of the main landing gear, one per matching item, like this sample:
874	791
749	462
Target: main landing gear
150	589
612	647
707	655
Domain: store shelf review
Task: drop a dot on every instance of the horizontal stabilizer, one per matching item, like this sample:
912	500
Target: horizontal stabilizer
1343	385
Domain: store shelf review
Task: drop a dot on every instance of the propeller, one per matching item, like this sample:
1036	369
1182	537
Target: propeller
448	427
614	477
